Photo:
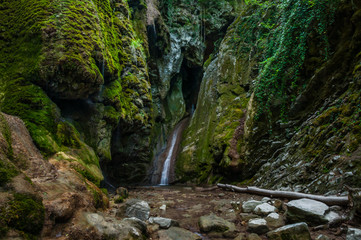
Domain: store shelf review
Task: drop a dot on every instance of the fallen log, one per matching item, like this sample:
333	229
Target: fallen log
329	200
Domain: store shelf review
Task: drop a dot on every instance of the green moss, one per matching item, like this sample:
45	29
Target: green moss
86	173
23	213
7	172
68	135
98	198
119	199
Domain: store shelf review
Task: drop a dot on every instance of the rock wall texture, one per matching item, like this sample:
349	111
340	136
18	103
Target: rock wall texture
75	72
279	103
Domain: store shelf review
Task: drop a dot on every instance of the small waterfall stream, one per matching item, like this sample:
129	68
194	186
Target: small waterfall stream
162	172
167	164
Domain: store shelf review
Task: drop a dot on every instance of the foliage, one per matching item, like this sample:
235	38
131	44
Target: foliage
286	27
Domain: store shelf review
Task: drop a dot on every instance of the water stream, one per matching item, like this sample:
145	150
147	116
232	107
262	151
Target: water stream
167	164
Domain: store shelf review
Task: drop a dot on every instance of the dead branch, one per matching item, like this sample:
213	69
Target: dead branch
329	200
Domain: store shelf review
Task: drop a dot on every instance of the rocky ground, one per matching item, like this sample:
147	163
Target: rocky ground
192	213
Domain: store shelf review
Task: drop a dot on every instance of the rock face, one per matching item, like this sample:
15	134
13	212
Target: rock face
24	173
82	78
307	210
298	231
237	132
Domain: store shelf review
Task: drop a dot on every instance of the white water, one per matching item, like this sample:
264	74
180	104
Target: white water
166	166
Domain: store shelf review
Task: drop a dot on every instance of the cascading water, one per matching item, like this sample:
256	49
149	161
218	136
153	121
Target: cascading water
167	164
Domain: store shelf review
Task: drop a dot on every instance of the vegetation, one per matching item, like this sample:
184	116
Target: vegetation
286	27
23	213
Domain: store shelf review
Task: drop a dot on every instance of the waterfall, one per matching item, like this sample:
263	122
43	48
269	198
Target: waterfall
167	164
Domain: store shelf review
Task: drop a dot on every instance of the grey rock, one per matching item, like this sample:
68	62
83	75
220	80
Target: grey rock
258	225
111	228
137	223
307	210
265	200
176	233
333	218
264	209
353	234
249	206
163	222
274	220
297	231
137	208
213	223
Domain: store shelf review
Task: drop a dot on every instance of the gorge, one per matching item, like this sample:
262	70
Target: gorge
101	95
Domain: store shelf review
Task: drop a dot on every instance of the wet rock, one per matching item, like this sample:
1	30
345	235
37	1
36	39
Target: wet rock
297	231
353	234
264	209
307	210
163	222
213	223
254	236
274	220
137	208
249	206
258	225
176	233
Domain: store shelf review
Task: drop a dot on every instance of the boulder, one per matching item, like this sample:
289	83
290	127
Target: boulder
353	234
137	208
249	206
258	225
110	228
264	209
213	223
307	210
163	222
274	220
176	233
298	231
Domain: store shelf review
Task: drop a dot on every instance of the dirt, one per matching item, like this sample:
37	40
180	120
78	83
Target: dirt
187	204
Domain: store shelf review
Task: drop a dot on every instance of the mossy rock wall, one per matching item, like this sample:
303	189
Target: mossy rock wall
74	71
299	76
